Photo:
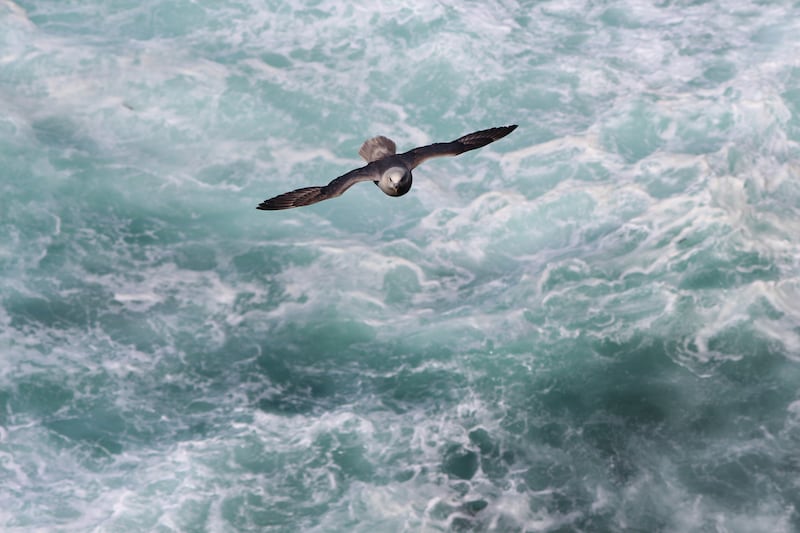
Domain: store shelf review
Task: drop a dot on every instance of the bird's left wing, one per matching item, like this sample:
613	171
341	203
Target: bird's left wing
312	195
468	142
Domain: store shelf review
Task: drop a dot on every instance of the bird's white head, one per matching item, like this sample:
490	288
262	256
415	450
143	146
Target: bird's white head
396	181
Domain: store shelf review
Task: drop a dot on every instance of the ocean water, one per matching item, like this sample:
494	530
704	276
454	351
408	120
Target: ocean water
592	324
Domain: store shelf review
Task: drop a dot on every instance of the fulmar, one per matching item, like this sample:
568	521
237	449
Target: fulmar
390	171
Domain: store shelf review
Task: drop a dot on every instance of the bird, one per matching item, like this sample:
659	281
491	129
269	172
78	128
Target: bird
390	171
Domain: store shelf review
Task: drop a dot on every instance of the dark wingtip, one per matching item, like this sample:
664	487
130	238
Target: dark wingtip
296	198
471	141
273	205
501	131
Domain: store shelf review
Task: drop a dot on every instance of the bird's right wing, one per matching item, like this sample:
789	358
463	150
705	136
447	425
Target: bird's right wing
312	195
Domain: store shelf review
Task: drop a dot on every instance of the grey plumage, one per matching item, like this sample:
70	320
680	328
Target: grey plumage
390	171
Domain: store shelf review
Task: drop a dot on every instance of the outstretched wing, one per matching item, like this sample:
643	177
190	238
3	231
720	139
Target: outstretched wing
312	195
468	142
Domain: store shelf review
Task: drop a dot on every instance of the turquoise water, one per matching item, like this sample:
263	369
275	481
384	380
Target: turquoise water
590	325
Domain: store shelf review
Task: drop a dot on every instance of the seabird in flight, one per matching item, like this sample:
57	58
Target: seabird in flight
390	171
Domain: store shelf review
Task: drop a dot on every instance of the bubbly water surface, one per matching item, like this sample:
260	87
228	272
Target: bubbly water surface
590	325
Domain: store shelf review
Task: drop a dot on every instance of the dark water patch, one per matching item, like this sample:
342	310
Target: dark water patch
430	387
332	359
264	262
548	473
349	455
305	393
792	100
720	71
459	462
630	381
40	395
758	385
730	477
463	514
495	459
610	417
62	134
5	408
611	441
99	433
313	365
138	329
56	311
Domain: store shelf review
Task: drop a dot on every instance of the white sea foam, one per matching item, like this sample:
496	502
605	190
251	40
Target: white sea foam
166	362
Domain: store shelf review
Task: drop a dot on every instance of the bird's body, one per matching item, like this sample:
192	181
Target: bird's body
390	171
